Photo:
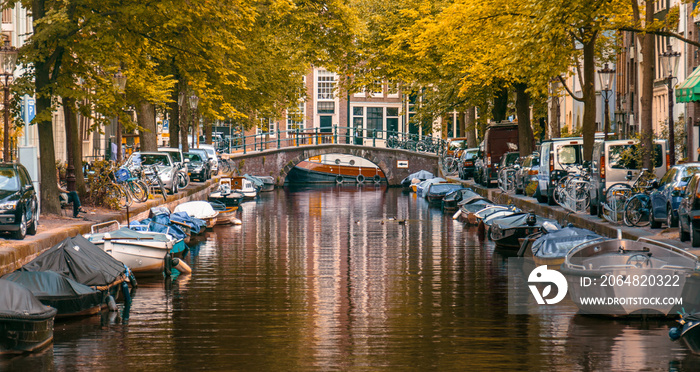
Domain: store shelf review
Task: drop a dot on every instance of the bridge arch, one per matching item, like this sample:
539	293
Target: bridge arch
278	162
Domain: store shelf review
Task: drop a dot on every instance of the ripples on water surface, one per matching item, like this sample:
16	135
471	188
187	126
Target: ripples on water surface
326	279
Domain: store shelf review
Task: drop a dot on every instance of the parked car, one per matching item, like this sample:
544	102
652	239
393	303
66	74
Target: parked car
557	154
689	212
614	162
465	167
19	212
213	159
498	139
177	156
666	199
167	170
198	167
205	157
526	172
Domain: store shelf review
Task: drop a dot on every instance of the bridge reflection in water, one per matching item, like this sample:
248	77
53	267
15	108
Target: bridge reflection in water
349	278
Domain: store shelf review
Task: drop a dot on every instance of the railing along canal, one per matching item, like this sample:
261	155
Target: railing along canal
337	135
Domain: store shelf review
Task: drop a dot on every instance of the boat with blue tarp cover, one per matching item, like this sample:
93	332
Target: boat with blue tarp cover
67	296
550	248
452	199
26	324
506	231
437	191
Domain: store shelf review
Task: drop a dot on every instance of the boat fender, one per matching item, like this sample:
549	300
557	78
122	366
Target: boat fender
457	214
111	304
377	179
127	294
181	266
168	265
339	179
131	277
360	178
674	333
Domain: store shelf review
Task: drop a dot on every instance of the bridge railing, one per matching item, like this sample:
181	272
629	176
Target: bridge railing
338	135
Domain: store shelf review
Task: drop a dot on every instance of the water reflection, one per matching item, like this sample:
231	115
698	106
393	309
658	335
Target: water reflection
329	278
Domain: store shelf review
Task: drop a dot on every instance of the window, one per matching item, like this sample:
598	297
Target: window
295	117
358	111
266	126
569	154
375	120
7	16
326	85
392	119
326	107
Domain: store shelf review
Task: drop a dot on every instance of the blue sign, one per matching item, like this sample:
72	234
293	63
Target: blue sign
166	123
28	109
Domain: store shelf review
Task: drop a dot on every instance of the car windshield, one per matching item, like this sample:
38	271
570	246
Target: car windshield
9	180
459	144
193	157
154	159
471	154
174	154
201	152
689	172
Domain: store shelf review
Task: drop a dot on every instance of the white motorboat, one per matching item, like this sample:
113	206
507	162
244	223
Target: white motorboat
144	252
199	209
621	277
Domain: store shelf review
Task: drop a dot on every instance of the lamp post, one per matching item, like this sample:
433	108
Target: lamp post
8	63
669	63
120	81
605	76
194	101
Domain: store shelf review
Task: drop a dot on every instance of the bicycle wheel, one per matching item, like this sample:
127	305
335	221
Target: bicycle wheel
615	199
637	211
138	191
118	195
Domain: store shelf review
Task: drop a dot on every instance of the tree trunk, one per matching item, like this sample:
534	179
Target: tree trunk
47	161
184	128
470	127
207	130
522	107
589	98
174	126
645	122
73	145
500	104
146	116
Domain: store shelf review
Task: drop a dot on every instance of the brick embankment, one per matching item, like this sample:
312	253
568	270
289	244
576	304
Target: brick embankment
583	220
15	253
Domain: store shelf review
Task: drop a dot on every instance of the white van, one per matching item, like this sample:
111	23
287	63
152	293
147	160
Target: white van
611	164
556	156
211	151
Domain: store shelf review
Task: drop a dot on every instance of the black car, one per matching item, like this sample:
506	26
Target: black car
465	167
526	172
18	201
197	166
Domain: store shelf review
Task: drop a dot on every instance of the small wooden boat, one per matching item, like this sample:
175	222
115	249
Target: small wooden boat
422	188
26	325
228	217
199	209
69	297
451	200
415	178
262	183
601	269
243	185
225	194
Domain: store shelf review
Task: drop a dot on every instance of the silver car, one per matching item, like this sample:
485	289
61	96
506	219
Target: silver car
167	170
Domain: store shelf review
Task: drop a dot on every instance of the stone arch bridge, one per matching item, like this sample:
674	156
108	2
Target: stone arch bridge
396	164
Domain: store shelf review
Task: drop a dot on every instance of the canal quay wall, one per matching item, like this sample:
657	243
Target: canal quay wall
582	220
15	253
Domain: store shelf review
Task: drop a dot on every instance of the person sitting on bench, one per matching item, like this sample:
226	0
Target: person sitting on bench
71	197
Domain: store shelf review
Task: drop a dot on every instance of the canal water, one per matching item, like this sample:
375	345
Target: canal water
347	278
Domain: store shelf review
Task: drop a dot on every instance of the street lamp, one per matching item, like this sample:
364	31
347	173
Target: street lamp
8	63
194	101
120	81
669	63
605	76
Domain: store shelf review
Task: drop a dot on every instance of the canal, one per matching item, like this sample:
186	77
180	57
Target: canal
347	278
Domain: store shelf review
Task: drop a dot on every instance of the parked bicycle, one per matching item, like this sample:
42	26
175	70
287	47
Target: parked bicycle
506	179
573	189
638	207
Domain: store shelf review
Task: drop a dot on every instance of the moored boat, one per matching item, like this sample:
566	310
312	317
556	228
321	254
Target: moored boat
550	248
437	191
199	209
225	194
67	296
689	331
335	168
656	271
26	324
506	231
422	188
452	199
244	186
415	178
144	252
262	183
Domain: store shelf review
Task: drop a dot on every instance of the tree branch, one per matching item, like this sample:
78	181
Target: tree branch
566	87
